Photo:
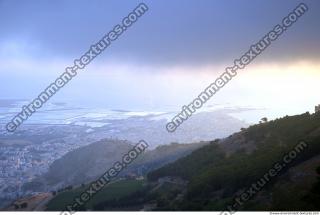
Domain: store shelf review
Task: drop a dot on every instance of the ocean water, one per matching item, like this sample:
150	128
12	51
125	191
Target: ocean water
63	113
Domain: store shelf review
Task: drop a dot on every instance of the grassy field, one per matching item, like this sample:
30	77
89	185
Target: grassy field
112	191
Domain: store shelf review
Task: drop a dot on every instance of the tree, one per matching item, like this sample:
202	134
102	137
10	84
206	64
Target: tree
264	119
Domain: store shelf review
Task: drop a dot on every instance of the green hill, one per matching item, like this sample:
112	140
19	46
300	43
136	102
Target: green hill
87	163
223	169
284	154
114	190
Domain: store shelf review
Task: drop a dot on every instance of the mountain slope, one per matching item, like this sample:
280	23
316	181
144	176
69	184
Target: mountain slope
87	163
221	170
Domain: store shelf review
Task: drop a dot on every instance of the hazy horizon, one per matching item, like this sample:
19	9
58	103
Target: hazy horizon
156	63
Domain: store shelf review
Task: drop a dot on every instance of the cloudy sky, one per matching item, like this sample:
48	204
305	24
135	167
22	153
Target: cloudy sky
166	58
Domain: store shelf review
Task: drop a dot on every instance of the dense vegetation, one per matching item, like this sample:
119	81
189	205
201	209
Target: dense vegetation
112	191
216	176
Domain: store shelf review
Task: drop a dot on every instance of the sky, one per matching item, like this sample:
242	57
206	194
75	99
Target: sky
171	54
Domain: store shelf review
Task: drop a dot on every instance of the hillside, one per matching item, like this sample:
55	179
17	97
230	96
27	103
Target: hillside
87	163
221	170
213	176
